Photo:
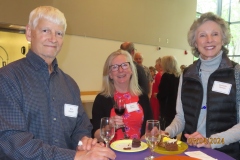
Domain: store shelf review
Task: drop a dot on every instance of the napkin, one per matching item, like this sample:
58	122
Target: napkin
199	155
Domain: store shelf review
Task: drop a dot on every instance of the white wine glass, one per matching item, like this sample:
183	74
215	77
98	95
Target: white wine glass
107	129
152	136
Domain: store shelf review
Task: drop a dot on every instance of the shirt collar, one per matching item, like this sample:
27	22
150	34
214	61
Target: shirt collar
38	63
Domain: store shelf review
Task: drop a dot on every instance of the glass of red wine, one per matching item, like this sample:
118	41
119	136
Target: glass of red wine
119	108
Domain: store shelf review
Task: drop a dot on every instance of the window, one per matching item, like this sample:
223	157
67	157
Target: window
206	6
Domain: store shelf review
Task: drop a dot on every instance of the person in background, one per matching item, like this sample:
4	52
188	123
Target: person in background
152	72
142	78
139	59
153	100
41	114
120	81
208	94
167	90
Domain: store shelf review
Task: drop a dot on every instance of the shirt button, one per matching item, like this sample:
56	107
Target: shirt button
56	140
53	98
54	119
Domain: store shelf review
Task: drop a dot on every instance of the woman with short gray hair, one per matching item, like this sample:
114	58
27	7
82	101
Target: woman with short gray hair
207	104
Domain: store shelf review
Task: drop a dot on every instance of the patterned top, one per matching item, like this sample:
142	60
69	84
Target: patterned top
33	124
132	120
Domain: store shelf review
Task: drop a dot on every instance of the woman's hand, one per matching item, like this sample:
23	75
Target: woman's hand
118	120
155	95
164	133
197	140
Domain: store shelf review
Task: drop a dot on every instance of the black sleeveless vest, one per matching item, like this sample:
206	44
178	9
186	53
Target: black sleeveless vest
221	108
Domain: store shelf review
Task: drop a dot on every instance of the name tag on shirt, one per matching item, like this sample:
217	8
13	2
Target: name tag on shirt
70	110
221	87
132	107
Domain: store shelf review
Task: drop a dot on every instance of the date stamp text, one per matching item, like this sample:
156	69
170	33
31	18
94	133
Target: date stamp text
206	140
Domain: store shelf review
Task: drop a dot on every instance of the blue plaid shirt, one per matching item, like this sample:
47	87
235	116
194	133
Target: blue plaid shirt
32	120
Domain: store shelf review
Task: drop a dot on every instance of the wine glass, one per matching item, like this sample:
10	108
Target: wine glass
107	129
119	108
152	135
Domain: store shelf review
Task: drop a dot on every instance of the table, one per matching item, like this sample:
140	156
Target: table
141	155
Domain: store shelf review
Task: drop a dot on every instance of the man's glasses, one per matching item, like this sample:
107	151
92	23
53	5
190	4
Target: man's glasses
115	67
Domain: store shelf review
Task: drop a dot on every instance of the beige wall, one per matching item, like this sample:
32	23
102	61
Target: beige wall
150	22
12	44
139	21
97	28
83	57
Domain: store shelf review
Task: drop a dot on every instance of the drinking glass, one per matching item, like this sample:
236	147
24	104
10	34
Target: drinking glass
152	136
107	129
119	108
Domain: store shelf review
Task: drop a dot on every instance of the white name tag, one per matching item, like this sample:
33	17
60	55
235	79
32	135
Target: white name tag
70	110
132	107
221	87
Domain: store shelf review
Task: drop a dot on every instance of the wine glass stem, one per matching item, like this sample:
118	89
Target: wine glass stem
152	149
107	144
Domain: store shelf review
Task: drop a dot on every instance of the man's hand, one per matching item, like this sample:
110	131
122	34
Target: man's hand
97	152
197	140
87	144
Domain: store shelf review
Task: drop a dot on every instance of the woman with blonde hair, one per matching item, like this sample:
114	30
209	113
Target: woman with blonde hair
167	90
120	81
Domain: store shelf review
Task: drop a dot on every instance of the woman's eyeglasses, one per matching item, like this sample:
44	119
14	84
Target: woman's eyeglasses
115	67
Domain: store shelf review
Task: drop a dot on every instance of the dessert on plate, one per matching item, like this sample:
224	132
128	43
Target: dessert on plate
161	143
171	145
136	143
168	143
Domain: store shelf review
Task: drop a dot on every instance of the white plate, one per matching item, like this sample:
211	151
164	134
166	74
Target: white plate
120	144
